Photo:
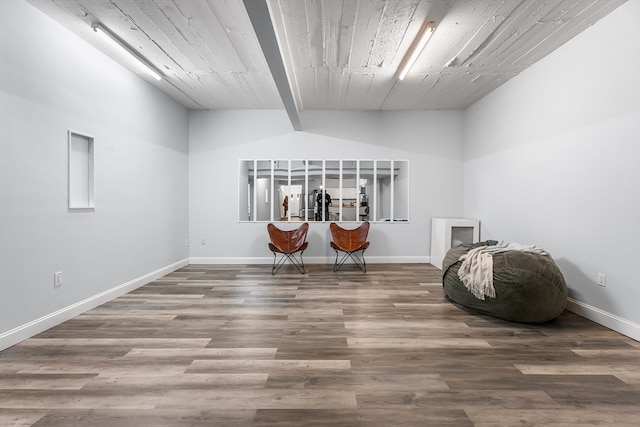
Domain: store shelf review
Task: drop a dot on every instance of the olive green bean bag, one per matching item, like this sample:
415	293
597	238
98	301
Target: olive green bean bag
529	287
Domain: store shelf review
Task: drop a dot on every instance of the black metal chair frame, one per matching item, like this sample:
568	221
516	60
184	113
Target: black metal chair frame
359	261
299	265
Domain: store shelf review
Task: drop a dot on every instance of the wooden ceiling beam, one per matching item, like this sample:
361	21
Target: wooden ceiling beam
258	11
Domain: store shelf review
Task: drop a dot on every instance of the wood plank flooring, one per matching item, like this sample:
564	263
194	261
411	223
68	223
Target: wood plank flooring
235	346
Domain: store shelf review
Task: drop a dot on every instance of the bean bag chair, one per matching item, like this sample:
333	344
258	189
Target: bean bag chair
529	287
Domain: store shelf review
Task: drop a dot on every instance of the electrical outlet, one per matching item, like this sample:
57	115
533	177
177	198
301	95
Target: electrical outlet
186	242
602	279
57	279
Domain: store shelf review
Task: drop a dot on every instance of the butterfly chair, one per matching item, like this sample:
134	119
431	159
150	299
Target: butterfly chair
287	243
350	242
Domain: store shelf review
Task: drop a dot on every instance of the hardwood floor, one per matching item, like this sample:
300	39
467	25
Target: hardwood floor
235	346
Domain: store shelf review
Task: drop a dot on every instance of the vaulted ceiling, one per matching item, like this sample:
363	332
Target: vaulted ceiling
330	54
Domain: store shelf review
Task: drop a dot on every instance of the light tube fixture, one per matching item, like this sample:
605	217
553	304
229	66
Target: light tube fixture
413	53
127	50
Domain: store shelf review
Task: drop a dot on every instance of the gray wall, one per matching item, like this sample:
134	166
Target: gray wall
51	81
432	141
553	158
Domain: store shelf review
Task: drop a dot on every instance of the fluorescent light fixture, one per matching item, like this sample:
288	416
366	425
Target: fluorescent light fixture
413	53
127	50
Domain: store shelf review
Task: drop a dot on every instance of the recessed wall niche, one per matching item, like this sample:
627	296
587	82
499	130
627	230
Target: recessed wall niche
324	190
81	171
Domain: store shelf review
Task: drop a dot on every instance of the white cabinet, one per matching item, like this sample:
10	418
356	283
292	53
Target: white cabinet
447	232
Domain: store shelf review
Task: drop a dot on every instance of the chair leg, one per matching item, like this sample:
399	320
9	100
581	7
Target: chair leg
291	257
298	264
337	265
276	265
360	262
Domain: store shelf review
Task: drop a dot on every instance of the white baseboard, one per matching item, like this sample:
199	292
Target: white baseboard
231	260
34	327
309	260
601	317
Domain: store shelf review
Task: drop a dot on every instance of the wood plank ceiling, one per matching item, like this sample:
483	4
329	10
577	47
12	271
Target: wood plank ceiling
338	54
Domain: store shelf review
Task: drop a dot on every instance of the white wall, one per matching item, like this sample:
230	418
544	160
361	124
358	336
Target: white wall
432	141
553	158
51	81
